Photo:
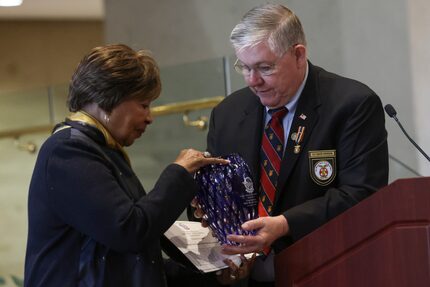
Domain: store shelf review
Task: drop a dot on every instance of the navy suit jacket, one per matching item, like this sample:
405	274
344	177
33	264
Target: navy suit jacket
91	223
342	117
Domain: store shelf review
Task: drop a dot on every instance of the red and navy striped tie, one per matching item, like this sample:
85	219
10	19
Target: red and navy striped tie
272	150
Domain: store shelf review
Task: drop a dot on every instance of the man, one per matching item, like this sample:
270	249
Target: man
330	149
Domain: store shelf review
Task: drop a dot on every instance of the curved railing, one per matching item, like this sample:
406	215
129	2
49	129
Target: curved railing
184	108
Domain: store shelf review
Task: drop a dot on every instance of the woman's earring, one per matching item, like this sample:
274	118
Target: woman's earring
106	118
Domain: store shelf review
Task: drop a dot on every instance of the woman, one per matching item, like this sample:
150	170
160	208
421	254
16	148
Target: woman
90	220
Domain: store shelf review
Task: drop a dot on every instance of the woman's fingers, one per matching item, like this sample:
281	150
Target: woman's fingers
192	159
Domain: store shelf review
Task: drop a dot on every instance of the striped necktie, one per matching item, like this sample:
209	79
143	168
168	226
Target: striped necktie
272	149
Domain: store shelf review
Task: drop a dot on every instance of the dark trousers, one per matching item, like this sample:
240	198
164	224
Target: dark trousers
178	275
248	282
253	283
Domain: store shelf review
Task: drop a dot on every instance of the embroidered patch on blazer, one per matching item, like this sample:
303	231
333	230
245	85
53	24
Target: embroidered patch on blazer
322	166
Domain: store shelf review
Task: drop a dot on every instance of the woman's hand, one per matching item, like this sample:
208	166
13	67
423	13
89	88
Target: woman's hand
198	212
234	273
192	159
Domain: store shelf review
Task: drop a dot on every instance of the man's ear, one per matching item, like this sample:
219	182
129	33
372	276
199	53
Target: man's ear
300	53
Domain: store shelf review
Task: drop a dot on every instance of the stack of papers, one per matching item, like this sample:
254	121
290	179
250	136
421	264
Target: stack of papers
199	246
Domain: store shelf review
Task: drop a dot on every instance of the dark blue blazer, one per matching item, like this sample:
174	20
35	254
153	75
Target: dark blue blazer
91	223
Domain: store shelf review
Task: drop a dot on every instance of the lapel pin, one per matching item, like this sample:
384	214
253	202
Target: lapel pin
303	116
294	136
298	139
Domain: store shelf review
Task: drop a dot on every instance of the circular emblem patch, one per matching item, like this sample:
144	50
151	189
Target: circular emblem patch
323	170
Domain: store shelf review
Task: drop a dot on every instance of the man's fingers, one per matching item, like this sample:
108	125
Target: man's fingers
231	250
253	224
248	244
245	239
237	238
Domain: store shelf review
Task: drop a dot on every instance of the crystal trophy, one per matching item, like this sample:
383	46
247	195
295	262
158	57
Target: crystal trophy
227	197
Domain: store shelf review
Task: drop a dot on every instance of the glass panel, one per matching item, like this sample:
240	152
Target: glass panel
192	81
236	79
161	144
16	167
399	169
24	109
58	96
163	140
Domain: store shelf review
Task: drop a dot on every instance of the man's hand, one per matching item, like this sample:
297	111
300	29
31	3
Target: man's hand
268	230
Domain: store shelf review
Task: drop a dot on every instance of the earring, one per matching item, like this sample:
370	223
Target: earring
106	118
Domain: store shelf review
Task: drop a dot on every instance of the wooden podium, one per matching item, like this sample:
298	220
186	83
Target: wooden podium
382	241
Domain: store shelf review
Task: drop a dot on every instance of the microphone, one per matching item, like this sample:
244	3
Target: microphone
389	109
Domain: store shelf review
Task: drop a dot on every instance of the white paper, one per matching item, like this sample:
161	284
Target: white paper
199	246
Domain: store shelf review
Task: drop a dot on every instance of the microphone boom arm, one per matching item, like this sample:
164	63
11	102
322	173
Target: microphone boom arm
409	138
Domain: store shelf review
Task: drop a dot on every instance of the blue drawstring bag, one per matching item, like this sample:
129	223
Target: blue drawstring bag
227	197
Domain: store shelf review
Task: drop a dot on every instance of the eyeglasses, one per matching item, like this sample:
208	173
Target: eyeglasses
263	69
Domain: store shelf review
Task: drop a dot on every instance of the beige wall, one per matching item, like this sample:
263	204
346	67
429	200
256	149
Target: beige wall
43	53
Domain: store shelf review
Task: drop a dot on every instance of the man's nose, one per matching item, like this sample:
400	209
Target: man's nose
254	78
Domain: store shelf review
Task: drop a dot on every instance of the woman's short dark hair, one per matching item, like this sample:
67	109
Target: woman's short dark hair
111	74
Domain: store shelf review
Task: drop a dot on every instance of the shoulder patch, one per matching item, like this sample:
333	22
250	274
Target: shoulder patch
322	166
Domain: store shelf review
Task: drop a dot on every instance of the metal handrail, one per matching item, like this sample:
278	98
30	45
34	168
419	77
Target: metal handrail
173	108
186	106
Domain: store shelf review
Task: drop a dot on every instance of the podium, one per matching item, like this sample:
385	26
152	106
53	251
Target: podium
382	241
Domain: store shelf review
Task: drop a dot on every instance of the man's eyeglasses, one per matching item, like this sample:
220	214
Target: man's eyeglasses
261	69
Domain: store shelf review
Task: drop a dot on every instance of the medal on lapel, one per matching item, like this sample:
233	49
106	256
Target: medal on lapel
298	138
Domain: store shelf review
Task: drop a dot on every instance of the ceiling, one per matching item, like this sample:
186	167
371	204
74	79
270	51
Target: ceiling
54	9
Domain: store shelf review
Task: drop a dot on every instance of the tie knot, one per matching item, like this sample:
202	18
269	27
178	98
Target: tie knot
278	113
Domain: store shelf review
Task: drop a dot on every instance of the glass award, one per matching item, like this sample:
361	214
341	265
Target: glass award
227	197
